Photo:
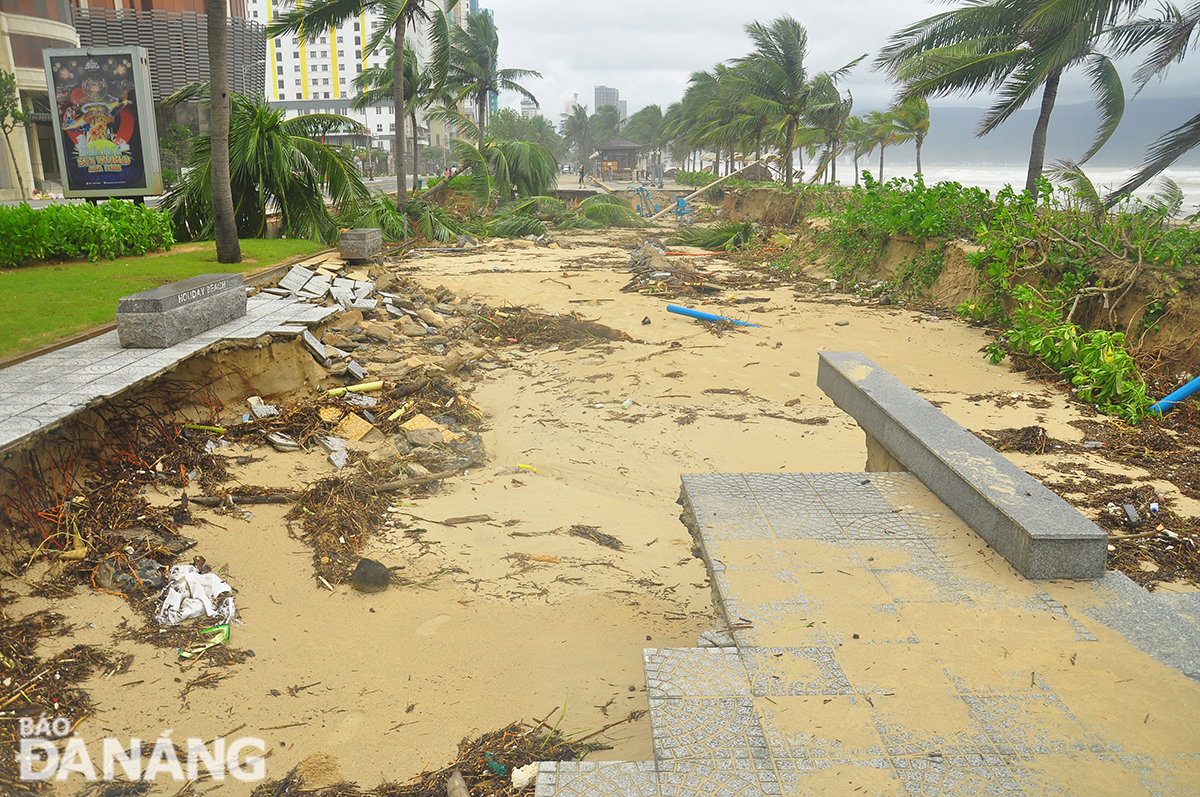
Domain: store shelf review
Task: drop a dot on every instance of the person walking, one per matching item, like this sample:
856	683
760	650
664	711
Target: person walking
582	173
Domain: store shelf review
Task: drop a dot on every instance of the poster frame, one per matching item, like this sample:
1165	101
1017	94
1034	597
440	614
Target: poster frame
146	126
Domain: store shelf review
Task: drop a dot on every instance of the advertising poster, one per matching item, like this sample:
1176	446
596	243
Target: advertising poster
104	115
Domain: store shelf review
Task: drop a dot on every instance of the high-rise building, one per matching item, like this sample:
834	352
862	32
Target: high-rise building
623	107
605	95
529	108
26	28
317	74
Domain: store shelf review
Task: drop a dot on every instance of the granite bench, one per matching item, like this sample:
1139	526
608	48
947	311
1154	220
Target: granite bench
1040	534
163	316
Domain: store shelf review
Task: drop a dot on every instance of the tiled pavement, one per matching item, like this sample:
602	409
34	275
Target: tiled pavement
883	649
43	391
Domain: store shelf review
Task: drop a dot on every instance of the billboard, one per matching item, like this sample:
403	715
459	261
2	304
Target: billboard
103	116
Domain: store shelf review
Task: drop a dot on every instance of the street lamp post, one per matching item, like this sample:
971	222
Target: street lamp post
259	62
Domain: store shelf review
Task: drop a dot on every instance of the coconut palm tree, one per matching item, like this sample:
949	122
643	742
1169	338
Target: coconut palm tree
884	133
394	17
221	192
860	140
578	132
1171	35
828	111
606	122
912	117
474	67
421	87
276	166
776	80
1013	48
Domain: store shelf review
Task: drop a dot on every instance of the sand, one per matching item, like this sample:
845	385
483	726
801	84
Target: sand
526	620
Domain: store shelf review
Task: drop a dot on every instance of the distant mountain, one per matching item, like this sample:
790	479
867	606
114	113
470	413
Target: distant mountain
952	138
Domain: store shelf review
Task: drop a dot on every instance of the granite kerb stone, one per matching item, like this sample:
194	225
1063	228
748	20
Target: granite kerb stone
177	294
163	316
1039	533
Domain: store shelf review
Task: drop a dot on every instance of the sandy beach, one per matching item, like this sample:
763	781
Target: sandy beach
520	619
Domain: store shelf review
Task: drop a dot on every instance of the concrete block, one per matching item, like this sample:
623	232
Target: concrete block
361	243
1040	534
163	316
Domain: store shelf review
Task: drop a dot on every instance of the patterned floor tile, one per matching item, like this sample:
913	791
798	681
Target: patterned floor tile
695	672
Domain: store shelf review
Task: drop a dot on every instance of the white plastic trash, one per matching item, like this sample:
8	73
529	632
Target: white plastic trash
524	776
190	594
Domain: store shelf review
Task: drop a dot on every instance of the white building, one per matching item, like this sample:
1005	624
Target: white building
529	108
317	75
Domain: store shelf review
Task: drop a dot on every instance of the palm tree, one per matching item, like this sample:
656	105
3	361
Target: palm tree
828	111
860	139
394	17
1171	34
578	133
276	165
374	84
221	192
884	133
776	82
606	122
912	117
1014	48
475	70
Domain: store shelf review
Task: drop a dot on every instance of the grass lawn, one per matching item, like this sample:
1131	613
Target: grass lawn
41	304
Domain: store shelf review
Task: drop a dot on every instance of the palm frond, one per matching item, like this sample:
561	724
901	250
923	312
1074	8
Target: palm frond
728	235
1165	150
1071	174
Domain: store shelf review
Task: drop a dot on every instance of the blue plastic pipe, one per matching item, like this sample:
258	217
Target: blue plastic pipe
703	316
1168	403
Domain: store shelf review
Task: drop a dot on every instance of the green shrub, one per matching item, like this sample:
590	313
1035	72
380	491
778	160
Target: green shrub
73	231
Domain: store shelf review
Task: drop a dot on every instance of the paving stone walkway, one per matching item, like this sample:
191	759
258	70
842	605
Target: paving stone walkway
876	646
41	392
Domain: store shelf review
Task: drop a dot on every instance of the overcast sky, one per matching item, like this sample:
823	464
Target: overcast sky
648	48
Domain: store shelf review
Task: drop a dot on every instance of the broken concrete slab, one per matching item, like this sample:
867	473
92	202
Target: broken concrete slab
296	279
315	346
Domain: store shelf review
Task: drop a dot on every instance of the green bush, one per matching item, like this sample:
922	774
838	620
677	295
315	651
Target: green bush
73	232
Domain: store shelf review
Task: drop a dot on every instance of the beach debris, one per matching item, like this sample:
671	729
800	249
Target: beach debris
282	442
217	635
133	576
477	763
259	409
190	594
370	576
594	534
841	323
523	777
700	315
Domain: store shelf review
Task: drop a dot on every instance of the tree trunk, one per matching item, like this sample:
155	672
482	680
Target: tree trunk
717	163
16	166
881	149
856	171
920	141
480	104
833	165
1037	153
398	112
789	143
224	220
416	147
